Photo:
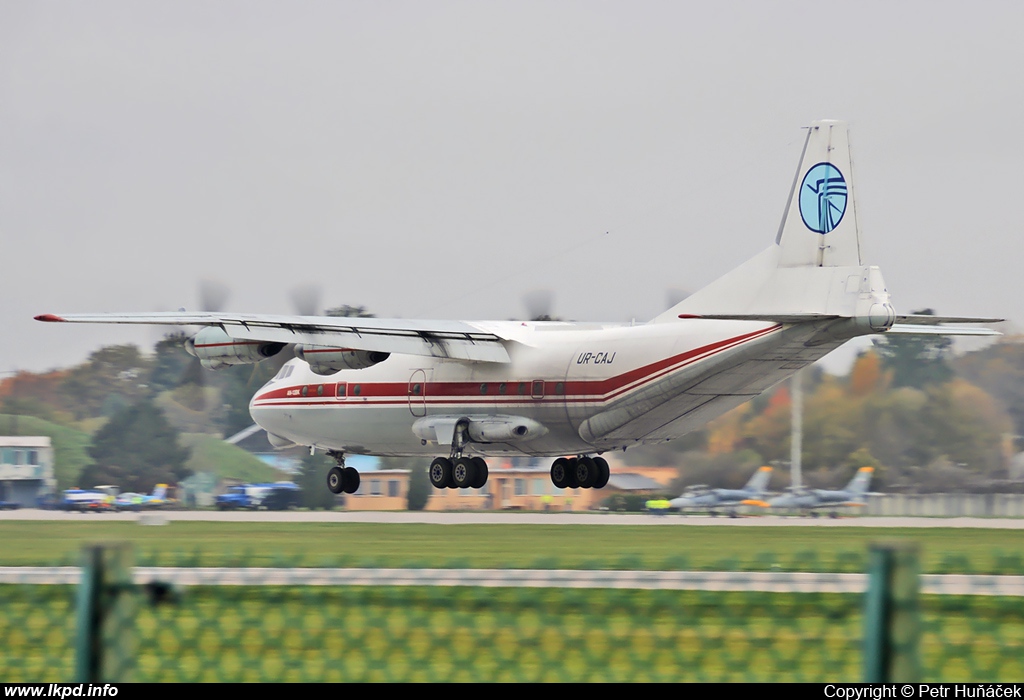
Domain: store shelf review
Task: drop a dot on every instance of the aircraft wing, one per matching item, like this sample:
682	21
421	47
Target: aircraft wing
449	339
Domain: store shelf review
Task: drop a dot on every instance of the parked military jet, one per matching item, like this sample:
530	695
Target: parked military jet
710	499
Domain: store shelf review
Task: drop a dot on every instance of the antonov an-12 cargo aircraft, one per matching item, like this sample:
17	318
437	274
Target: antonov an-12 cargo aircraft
462	391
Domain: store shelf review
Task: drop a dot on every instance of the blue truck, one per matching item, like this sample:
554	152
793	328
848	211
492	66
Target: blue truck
281	495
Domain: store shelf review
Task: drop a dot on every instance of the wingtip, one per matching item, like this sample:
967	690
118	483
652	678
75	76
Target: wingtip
49	318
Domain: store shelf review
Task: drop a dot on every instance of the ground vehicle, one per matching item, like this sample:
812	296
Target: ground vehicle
87	501
272	496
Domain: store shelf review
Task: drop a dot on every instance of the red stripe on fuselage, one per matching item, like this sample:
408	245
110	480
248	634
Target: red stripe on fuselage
576	391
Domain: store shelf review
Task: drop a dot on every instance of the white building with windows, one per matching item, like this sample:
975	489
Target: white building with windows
26	469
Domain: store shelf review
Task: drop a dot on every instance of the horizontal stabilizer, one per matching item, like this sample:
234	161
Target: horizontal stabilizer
909	329
765	318
926	320
907	325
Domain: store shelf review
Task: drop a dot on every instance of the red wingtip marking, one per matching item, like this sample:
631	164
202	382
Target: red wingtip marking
49	318
688	316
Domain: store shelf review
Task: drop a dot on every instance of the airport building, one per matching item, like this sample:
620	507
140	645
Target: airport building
26	469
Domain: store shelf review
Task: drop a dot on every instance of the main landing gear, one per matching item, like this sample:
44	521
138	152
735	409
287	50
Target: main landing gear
580	472
341	478
458	471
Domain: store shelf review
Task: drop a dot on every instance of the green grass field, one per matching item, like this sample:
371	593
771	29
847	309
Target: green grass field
463	634
308	633
509	546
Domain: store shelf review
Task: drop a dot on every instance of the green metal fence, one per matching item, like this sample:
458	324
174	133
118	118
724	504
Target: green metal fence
106	621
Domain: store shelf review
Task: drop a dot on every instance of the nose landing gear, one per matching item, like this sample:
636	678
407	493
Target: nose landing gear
341	478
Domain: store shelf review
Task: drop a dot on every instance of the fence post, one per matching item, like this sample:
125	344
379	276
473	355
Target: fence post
892	614
105	645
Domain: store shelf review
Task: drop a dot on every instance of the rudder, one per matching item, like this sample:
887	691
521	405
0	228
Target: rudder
819	226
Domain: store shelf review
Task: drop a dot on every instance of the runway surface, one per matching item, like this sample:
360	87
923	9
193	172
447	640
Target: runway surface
505	518
767	581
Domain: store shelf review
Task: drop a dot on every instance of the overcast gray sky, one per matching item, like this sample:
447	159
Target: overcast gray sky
441	159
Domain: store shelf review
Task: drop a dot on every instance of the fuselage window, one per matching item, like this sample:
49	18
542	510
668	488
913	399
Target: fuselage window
305	391
356	390
538	389
522	388
502	388
417	389
483	388
341	389
320	390
560	388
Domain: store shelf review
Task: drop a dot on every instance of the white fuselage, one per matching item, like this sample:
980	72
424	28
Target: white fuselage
592	387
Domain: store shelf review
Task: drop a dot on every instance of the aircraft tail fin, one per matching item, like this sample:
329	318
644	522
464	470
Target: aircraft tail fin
859	484
759	481
814	268
819	226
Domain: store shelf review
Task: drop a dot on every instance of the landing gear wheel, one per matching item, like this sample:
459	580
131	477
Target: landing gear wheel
463	472
586	472
440	472
481	473
560	473
350	478
335	480
571	481
603	472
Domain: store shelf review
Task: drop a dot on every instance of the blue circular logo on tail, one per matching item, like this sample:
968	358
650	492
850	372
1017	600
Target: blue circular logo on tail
823	198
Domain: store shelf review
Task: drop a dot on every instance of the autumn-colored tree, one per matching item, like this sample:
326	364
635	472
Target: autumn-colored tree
999	370
833	425
724	432
30	394
966	425
769	433
866	375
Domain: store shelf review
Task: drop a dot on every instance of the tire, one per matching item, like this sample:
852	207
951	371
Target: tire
350	479
560	473
481	473
440	472
463	472
335	480
586	472
603	473
571	481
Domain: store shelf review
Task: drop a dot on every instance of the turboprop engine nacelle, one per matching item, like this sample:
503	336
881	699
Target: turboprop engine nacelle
216	349
325	360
